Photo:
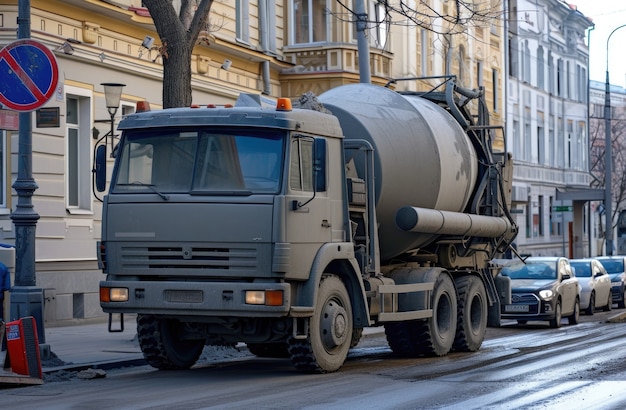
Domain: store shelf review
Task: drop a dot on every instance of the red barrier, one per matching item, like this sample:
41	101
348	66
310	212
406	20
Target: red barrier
23	347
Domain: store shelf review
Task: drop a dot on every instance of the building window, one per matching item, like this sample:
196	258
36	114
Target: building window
461	65
517	140
567	81
540	222
550	153
560	145
541	154
527	153
78	154
550	73
529	218
513	59
560	78
380	32
581	72
571	146
540	69
242	10
309	21
581	135
526	63
424	48
270	15
496	96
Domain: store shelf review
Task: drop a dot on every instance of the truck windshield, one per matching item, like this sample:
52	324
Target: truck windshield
199	162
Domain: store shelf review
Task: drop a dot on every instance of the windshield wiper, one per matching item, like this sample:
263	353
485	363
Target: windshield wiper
149	186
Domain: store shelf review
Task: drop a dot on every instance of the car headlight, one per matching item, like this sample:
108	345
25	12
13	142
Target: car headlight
546	294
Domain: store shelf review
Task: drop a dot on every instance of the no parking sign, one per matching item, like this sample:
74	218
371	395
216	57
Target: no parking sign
28	75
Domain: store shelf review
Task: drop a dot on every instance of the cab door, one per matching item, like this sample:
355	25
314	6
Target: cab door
308	222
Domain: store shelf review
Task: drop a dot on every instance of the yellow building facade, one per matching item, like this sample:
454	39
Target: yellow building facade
279	48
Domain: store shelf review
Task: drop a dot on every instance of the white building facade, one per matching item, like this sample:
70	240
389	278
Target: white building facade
547	127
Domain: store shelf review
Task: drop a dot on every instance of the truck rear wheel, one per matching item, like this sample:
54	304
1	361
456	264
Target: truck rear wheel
471	314
433	336
161	346
330	330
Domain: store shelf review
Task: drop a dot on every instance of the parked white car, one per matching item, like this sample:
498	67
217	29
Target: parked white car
595	285
616	268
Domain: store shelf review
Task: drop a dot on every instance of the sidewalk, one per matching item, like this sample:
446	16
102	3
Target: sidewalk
82	346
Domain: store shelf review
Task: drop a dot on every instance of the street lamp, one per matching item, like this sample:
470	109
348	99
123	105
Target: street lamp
608	156
112	95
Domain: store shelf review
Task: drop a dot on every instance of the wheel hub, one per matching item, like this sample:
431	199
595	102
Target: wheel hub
333	325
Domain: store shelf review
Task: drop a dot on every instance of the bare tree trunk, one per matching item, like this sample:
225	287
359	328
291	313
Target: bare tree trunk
178	34
177	78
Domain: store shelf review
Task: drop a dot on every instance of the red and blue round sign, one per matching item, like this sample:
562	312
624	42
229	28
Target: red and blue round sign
29	74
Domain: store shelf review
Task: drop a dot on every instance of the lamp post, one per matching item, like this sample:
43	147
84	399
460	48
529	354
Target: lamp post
112	95
608	158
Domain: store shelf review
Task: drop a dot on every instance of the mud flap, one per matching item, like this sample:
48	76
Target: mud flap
121	327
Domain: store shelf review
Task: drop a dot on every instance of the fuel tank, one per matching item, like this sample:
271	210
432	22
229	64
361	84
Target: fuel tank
422	156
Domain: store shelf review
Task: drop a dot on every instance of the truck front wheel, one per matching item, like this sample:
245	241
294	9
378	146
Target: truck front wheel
162	346
330	330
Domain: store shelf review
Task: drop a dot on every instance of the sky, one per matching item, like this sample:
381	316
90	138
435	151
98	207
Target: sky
607	15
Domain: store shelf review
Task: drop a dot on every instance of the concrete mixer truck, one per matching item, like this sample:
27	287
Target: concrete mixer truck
293	229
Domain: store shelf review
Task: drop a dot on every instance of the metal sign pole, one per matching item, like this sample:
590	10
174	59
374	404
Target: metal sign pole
26	298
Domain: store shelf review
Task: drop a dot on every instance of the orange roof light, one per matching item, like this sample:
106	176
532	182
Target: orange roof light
142	106
283	104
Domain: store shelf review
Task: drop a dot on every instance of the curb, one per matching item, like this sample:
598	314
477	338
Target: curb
104	365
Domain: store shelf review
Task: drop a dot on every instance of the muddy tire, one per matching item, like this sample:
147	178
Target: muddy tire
574	318
161	347
556	322
592	305
357	333
330	331
472	314
609	304
430	337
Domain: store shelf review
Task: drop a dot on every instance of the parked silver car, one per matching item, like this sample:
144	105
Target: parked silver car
616	268
543	288
595	285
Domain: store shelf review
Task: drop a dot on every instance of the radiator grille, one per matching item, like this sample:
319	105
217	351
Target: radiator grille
167	257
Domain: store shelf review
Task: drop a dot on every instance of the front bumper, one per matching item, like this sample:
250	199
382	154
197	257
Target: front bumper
617	292
528	306
195	299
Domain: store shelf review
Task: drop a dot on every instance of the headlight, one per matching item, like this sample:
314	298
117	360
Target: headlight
546	294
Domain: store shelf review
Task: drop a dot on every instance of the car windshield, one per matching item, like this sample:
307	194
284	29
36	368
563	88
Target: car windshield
581	269
530	270
611	266
200	161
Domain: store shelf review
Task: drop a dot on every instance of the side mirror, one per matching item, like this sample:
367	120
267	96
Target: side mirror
100	168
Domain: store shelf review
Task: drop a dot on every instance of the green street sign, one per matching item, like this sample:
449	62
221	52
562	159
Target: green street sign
562	208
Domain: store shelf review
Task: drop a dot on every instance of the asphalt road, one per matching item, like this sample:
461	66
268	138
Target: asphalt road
518	367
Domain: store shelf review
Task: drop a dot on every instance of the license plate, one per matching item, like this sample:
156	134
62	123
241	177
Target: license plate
516	308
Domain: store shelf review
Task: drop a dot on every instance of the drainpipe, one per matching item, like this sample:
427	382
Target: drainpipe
589	231
265	65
